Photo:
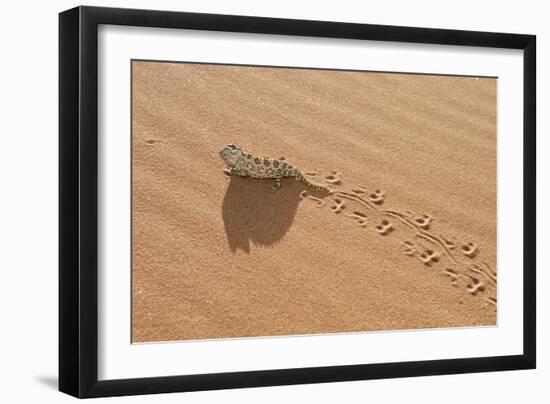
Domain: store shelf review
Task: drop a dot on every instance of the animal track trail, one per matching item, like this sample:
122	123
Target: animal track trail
421	224
474	285
377	197
318	201
384	228
481	280
419	231
356	198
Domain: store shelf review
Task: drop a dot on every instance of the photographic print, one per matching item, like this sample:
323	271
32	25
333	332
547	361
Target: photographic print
275	201
248	201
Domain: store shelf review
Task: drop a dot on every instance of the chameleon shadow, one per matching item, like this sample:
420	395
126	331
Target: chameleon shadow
255	213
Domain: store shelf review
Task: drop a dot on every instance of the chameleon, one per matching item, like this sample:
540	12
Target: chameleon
245	164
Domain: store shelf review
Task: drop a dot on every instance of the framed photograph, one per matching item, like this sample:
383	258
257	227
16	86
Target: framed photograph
250	201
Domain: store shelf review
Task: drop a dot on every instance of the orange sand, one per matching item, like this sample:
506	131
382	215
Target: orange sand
215	257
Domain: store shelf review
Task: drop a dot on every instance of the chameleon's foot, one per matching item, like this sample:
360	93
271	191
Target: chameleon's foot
227	172
277	184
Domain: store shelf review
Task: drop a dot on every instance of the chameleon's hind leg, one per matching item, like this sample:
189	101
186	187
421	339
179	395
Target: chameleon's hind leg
277	184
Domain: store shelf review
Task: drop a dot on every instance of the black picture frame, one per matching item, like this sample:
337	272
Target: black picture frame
78	201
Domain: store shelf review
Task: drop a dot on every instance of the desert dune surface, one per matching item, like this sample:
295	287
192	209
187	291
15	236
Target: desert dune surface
406	239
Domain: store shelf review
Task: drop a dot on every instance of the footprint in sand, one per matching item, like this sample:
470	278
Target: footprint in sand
475	286
338	206
492	300
384	228
410	249
451	273
423	221
377	197
429	257
334	178
359	191
448	243
360	217
470	250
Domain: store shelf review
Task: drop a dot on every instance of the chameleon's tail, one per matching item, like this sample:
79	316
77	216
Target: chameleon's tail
302	178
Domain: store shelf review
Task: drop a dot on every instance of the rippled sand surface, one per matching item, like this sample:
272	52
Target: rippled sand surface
406	240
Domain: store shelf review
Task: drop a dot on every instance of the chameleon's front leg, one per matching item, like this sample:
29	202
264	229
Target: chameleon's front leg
277	184
235	171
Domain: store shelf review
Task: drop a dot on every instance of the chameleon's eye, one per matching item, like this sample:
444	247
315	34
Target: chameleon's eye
232	146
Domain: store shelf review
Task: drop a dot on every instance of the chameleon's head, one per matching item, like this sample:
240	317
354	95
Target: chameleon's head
230	154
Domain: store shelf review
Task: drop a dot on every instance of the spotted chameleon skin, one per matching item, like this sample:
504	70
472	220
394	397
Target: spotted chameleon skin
245	164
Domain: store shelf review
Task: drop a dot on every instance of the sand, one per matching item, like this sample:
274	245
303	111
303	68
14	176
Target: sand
408	239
